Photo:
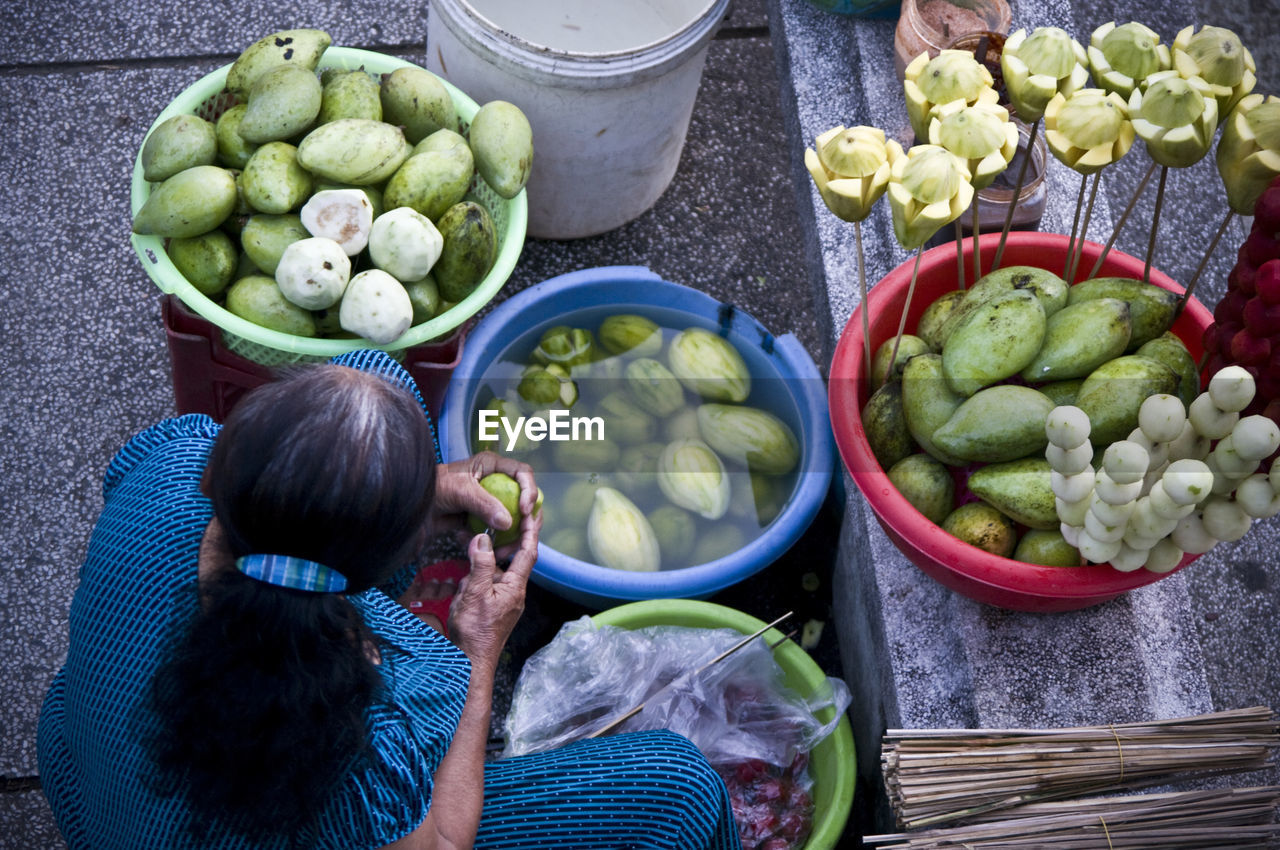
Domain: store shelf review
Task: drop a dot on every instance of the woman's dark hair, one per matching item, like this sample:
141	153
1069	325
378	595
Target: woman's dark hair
262	704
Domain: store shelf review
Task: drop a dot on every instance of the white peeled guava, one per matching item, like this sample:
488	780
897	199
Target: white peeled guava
404	243
313	273
343	215
376	307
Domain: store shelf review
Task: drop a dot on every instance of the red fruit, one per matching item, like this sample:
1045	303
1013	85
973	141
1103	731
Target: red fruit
1231	307
1209	340
1261	318
1267	282
1214	363
769	790
1249	350
1267	210
1227	330
1261	247
1243	278
1272	410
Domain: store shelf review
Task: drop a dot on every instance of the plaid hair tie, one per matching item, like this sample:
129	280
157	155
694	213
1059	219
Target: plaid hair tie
295	573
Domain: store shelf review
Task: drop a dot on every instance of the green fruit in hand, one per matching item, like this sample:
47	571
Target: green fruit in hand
981	525
926	483
506	490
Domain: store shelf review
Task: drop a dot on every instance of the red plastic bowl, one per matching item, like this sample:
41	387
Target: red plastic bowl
972	572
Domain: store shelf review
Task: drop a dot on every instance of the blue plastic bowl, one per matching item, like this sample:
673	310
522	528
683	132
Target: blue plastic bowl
780	358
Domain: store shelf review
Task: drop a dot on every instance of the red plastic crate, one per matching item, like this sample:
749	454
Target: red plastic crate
210	379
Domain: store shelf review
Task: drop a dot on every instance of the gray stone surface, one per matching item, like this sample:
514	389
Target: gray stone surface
922	655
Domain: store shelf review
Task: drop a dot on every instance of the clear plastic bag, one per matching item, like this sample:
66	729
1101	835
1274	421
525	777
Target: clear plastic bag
753	729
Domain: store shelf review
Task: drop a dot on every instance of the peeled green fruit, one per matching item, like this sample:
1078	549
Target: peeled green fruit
207	261
502	142
1113	392
627	333
273	181
624	420
926	483
189	203
750	437
709	365
575	505
179	143
283	102
1047	548
301	47
569	347
1019	489
265	237
1079	338
619	535
376	307
885	425
927	403
717	542
586	456
677	532
313	273
505	489
654	387
233	150
415	99
405	244
1152	308
996	341
996	424
908	346
258	299
1169	349
470	248
637	472
430	182
692	476
358	151
981	525
351	94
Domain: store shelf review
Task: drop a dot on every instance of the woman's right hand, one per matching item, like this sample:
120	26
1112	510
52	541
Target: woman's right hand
489	601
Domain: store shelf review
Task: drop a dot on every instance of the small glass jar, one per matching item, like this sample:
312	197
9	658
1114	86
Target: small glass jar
993	201
931	25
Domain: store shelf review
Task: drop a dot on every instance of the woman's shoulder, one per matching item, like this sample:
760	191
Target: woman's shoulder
179	436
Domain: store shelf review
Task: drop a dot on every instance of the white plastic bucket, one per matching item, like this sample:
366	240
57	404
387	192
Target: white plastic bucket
608	86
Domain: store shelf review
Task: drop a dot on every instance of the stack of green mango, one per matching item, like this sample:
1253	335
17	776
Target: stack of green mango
963	407
671	460
255	203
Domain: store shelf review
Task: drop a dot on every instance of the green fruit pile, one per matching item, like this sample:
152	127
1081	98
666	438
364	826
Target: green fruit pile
332	204
962	409
683	465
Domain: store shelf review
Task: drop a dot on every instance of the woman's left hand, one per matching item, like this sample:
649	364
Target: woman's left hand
458	492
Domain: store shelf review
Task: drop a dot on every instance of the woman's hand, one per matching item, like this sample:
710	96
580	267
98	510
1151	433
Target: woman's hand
458	493
489	601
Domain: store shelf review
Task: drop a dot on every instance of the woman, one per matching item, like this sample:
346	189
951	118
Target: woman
240	675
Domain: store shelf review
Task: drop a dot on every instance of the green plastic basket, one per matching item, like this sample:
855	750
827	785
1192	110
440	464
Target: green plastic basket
833	761
208	98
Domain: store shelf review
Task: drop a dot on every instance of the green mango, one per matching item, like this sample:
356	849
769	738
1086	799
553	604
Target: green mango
445	141
575	504
265	237
1170	350
506	490
416	100
258	299
717	542
996	424
570	542
189	203
995	341
430	182
1152	308
981	525
233	150
350	94
637	473
1079	338
654	387
586	456
283	102
470	248
424	295
1019	489
207	261
1049	289
908	346
273	182
682	425
927	484
884	423
502	141
357	151
927	403
1048	548
677	532
624	420
632	335
750	437
179	143
929	328
301	47
1113	392
1062	392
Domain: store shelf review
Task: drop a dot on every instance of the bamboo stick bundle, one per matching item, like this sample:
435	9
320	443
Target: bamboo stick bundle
937	776
1231	819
